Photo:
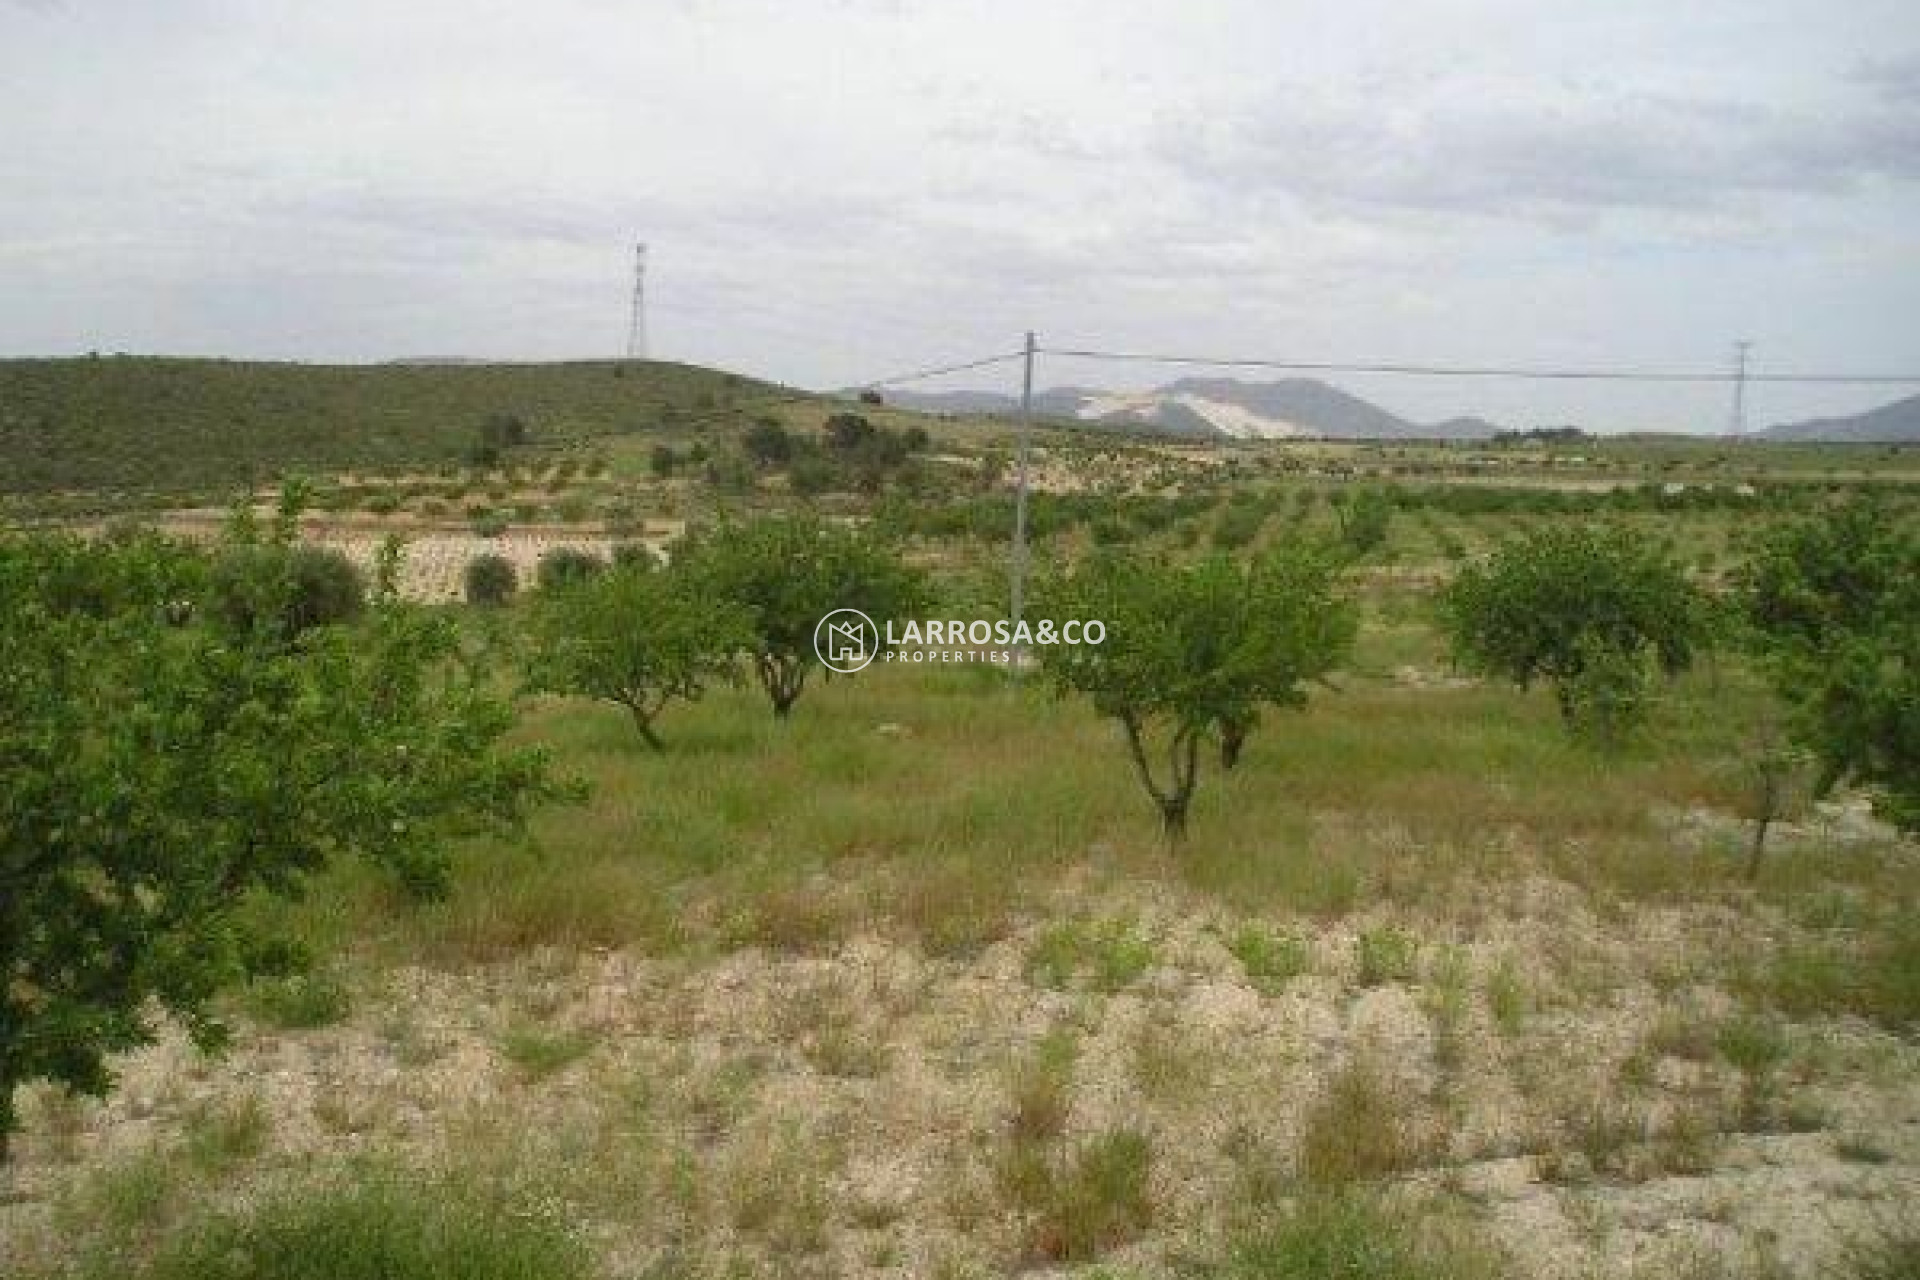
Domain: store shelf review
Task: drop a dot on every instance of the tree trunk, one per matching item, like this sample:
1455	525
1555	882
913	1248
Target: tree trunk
8	1117
1232	738
783	679
643	721
1759	847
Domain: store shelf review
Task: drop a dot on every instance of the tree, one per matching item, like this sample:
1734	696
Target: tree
662	460
491	580
1835	602
638	638
790	572
1583	609
1197	650
159	765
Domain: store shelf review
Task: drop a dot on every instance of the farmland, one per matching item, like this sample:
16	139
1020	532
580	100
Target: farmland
910	984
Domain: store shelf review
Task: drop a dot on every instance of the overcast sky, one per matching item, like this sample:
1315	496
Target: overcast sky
834	190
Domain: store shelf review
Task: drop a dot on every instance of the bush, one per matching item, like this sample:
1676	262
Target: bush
294	586
1354	1130
486	522
491	580
568	566
1082	1203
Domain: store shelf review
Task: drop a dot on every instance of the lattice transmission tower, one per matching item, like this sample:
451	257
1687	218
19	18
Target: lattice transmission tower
637	324
1738	423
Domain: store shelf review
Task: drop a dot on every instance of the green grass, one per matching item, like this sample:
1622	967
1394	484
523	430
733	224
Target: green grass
1356	1130
1082	1202
377	1227
1106	954
1386	954
539	1052
794	836
1875	976
1270	960
1353	1237
300	1002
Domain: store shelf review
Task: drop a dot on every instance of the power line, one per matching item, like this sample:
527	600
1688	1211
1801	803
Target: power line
921	375
1480	371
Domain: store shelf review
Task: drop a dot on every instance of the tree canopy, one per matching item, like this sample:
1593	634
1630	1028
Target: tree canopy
1197	650
1585	609
789	572
161	760
1835	601
637	637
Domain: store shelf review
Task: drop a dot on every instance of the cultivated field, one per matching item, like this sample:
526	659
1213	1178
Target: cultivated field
910	985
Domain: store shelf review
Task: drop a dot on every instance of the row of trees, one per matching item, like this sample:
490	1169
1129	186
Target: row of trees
1196	652
1828	605
642	636
182	731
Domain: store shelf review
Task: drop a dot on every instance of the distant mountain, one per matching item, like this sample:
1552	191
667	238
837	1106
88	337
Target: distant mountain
1228	407
1895	423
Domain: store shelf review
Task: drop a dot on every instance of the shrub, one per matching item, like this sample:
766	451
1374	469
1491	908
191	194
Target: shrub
290	587
567	566
486	522
299	1001
1364	520
1270	960
1081	1203
491	580
1112	953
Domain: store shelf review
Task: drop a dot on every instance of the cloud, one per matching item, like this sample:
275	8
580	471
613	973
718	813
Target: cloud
1543	150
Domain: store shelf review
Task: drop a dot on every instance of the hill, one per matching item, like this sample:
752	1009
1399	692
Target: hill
1212	406
1896	423
137	422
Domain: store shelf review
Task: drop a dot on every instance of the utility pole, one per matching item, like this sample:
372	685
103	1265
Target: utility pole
637	324
1739	422
1020	500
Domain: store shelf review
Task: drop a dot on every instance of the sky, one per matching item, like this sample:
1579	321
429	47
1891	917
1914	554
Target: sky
833	191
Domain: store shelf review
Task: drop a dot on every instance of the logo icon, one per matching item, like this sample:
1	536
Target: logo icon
846	640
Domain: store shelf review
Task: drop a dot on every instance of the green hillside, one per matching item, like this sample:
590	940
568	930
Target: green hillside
155	423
